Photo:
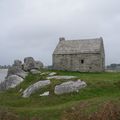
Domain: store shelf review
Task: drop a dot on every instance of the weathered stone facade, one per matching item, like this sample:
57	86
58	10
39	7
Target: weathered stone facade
79	55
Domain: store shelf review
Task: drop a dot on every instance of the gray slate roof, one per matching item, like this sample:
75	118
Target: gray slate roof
79	46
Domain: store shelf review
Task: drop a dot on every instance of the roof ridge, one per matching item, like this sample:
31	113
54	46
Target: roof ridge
84	39
79	46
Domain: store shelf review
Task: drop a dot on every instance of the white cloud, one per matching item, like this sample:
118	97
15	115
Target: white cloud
32	28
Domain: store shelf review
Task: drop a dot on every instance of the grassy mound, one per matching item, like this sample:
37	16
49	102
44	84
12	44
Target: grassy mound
102	88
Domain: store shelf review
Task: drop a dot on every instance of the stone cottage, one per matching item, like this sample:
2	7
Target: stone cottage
85	55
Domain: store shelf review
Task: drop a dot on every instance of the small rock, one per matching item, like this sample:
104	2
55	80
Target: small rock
44	73
45	94
62	77
70	86
31	89
34	71
52	74
20	90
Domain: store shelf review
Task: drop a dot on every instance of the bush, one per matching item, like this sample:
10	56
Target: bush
8	115
109	111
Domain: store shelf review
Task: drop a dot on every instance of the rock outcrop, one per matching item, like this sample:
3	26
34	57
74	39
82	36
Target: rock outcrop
18	72
33	88
68	87
30	63
11	82
16	69
39	64
18	63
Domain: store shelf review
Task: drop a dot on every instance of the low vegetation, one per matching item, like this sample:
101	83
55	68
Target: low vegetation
108	111
86	105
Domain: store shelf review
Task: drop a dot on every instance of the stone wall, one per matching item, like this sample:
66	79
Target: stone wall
102	56
79	62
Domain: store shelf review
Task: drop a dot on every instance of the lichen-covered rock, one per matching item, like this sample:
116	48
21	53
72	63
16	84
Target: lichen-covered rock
70	86
13	70
31	89
11	82
22	74
39	64
16	70
30	63
62	77
18	63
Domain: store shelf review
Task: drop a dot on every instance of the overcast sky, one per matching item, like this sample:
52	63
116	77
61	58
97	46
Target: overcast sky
33	27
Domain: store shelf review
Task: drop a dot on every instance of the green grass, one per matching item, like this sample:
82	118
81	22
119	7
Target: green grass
101	87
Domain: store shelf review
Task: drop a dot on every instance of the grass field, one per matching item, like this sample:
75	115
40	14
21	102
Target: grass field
102	87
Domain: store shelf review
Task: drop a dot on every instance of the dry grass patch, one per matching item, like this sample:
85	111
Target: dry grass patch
108	111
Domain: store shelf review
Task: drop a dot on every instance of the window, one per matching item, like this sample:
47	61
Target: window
90	68
82	61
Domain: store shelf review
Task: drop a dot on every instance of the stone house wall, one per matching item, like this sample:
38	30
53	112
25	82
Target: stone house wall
84	62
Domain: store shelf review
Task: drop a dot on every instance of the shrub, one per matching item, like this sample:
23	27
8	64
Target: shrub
108	111
8	115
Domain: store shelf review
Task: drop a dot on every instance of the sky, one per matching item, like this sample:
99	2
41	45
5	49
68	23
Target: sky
33	27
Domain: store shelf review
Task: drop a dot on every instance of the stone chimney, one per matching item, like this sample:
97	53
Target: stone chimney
61	39
101	38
